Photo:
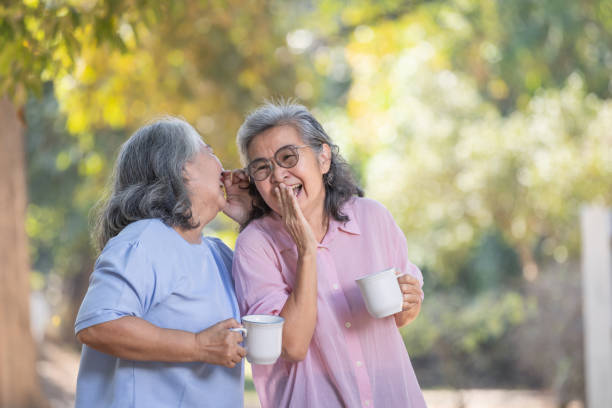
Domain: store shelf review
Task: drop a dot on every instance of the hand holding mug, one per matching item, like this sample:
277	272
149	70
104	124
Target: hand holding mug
389	292
263	336
219	345
412	294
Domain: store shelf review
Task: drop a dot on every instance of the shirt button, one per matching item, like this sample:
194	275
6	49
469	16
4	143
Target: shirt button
336	286
347	325
358	363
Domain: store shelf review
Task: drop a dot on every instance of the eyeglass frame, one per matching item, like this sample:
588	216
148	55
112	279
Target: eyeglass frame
272	163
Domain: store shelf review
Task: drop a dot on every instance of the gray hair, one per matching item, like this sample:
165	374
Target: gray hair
148	180
339	182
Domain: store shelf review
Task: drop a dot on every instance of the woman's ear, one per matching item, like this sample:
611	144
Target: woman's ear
325	158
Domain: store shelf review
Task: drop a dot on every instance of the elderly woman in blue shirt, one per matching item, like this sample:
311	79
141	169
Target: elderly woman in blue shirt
156	319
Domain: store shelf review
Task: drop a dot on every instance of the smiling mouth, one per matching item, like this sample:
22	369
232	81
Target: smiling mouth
297	189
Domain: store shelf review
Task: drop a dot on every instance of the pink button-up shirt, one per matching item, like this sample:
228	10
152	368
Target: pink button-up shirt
354	360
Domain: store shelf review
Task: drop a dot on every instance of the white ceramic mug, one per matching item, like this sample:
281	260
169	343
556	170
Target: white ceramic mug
381	293
263	336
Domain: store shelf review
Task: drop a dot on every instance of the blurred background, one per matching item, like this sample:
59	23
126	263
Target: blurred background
482	125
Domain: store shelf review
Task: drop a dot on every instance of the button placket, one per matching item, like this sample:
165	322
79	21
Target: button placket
353	344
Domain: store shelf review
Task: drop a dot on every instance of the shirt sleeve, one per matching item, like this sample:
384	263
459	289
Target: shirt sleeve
225	253
122	284
399	249
260	286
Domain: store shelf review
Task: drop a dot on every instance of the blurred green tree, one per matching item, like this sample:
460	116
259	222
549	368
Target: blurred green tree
483	127
37	43
208	62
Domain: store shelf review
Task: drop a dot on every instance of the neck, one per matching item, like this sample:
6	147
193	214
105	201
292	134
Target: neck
319	225
193	236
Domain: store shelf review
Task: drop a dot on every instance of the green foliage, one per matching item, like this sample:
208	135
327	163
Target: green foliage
66	176
491	264
41	40
209	62
465	338
482	126
451	164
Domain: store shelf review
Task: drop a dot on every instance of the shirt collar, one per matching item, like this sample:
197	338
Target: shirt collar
351	226
277	231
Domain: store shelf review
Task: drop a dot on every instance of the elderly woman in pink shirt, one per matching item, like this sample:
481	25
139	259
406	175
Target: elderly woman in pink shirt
309	236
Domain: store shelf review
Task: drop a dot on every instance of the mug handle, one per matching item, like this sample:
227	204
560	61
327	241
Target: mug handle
397	276
242	330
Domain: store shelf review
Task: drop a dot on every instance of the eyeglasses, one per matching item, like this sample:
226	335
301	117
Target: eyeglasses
285	157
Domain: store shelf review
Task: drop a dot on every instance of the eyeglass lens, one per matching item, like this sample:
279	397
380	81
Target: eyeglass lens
285	157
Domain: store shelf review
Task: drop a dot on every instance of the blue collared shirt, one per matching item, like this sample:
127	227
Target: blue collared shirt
149	271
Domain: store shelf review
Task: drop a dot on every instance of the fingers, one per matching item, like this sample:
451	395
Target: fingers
233	336
411	291
235	358
234	352
228	323
291	213
294	221
237	177
220	345
411	288
412	295
227	179
292	202
410	285
240	178
284	196
279	197
407	278
411	298
289	201
409	306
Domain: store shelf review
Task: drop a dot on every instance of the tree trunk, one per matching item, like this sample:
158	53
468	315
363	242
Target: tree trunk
19	386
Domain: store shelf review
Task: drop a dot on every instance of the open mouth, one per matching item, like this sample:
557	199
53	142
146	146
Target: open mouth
297	189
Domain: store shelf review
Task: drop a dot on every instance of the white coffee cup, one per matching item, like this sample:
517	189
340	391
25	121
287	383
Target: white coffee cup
381	293
263	336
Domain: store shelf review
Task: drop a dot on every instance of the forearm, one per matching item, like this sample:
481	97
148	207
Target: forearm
133	338
300	310
404	318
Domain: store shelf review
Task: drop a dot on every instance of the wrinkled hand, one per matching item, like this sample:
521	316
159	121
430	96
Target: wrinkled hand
411	292
295	223
219	345
238	201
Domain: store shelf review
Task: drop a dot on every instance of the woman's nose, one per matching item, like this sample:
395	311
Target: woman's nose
278	174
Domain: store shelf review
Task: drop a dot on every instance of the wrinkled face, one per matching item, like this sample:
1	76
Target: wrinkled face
205	184
305	178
